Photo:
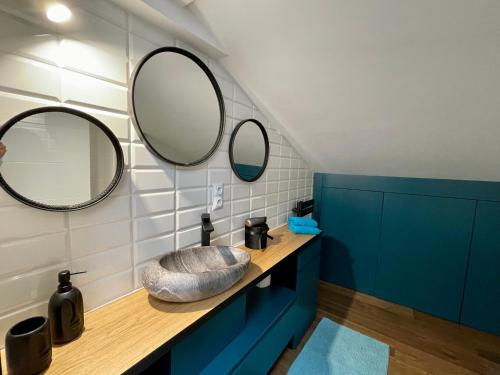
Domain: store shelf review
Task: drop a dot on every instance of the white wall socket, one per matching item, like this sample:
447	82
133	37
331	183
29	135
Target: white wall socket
217	196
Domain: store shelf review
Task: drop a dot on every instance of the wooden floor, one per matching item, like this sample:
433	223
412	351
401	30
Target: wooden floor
420	343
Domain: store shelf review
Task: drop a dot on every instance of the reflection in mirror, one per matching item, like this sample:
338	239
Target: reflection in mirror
249	150
177	105
59	159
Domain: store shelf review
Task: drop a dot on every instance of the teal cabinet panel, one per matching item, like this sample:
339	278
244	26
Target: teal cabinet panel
195	351
265	307
350	220
317	189
304	309
419	253
475	190
424	249
262	357
481	305
309	252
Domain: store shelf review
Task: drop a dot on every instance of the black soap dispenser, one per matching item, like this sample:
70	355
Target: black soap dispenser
66	310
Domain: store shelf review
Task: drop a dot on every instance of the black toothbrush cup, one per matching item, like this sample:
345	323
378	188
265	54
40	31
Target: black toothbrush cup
28	347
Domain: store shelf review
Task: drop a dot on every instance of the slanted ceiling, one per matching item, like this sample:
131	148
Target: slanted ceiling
373	87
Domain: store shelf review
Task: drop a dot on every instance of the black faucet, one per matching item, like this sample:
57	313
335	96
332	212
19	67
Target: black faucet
206	229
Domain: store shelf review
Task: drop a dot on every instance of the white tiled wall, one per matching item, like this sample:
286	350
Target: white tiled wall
157	206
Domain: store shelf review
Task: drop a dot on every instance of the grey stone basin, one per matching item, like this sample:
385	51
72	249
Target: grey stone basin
195	273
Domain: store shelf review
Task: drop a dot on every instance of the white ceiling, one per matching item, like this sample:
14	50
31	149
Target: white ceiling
175	17
374	87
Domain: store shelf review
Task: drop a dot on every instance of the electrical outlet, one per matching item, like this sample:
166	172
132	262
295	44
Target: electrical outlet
217	196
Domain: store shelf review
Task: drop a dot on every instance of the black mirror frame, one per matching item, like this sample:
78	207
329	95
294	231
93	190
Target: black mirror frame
231	146
65	208
215	85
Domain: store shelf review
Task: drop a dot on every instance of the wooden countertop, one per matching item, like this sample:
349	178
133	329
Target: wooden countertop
119	335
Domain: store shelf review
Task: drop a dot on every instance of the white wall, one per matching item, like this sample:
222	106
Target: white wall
373	87
157	207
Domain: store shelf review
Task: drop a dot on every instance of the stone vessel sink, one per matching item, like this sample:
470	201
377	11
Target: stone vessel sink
195	273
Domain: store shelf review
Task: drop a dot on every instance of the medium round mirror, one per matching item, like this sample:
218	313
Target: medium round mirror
177	106
59	159
249	150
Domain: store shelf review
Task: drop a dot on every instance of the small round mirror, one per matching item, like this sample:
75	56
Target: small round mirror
59	159
249	150
177	106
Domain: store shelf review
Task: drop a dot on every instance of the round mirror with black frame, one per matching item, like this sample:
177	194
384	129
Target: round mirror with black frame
177	106
59	159
249	150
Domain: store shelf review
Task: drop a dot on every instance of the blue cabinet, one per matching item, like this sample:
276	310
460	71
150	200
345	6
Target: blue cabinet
258	345
262	357
250	333
481	305
424	248
307	300
304	310
308	253
195	351
429	244
350	220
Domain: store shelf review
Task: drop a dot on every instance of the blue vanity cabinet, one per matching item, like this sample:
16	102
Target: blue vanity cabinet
262	357
268	330
424	248
307	299
350	220
481	304
195	351
304	310
249	334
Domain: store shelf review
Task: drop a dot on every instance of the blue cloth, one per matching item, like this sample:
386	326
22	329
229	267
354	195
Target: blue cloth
335	349
297	229
302	221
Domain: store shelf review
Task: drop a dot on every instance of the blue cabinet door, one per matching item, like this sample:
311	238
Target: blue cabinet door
308	253
424	248
195	351
481	306
307	299
350	220
262	356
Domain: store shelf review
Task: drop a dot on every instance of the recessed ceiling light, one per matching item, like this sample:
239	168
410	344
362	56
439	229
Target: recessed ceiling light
58	13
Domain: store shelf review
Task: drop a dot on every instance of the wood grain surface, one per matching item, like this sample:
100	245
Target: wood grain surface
421	344
119	335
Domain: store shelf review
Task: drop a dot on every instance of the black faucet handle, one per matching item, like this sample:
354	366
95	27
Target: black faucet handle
206	224
206	229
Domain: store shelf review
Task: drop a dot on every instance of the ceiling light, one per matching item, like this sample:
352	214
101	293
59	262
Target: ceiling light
58	13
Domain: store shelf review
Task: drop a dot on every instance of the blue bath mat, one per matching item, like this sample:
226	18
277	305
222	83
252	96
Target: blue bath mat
335	349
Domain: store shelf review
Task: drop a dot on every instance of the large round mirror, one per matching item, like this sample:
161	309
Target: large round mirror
177	106
59	159
249	150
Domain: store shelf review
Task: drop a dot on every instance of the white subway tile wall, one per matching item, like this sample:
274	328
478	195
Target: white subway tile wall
156	208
